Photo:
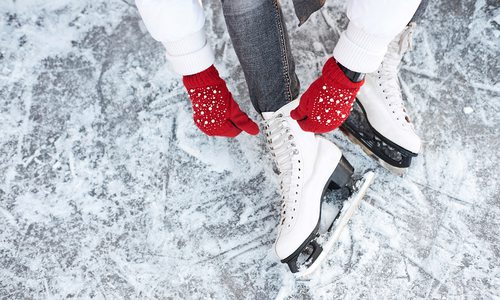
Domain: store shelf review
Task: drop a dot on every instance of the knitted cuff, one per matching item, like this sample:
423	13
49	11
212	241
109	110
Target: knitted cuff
208	77
190	55
360	51
333	73
188	44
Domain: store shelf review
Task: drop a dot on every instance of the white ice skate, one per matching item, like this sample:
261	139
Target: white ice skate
379	122
307	165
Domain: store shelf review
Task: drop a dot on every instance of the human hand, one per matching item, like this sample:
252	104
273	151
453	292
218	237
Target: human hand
327	103
214	110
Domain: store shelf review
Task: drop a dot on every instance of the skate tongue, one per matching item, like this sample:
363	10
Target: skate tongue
267	115
406	40
284	110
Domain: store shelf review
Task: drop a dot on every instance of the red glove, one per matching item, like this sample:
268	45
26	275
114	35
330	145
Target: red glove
328	101
215	111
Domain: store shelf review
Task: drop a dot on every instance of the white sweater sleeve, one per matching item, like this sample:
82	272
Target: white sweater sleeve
178	25
372	26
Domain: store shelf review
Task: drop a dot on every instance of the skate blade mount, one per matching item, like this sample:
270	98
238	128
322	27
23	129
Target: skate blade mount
391	168
350	206
391	156
307	253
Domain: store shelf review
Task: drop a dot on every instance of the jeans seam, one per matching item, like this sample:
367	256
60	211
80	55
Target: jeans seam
284	56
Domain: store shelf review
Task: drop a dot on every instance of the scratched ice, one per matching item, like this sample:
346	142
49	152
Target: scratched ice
108	190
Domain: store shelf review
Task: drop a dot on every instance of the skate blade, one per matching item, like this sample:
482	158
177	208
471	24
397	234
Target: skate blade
391	168
351	206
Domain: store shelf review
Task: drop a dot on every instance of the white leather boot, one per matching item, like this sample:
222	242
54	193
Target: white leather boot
379	121
307	164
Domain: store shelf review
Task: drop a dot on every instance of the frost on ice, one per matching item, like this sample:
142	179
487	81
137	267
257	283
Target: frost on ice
108	190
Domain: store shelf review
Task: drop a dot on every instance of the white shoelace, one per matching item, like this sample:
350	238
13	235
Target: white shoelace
280	141
388	72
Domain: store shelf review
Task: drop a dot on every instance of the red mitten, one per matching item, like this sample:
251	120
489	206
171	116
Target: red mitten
215	111
328	101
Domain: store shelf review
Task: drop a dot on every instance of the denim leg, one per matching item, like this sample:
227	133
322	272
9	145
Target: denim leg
260	39
420	11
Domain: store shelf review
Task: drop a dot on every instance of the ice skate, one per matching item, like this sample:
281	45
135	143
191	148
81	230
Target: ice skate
307	165
379	122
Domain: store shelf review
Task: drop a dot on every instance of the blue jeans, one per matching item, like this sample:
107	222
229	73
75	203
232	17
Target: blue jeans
259	37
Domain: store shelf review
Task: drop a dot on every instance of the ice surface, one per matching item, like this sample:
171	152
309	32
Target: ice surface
108	191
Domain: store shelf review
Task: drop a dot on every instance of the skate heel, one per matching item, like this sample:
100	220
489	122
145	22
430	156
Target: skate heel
342	176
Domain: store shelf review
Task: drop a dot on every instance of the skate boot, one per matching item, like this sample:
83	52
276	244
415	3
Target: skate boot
379	122
307	165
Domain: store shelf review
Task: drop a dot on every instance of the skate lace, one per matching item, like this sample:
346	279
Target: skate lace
388	74
280	142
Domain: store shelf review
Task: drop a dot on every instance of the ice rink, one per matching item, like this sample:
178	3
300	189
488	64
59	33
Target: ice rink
109	191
